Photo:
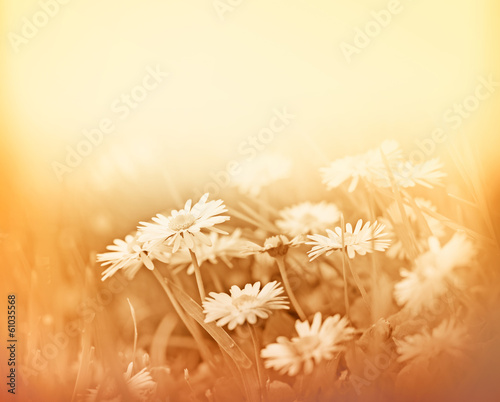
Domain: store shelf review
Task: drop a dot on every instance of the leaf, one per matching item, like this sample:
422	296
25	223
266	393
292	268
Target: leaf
134	320
217	333
457	227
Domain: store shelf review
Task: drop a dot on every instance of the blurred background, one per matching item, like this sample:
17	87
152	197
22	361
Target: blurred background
178	90
66	67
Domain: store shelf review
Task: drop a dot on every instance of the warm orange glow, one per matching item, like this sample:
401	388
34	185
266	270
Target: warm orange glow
114	111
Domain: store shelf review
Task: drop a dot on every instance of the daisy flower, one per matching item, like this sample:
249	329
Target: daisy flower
368	166
128	254
275	246
397	249
430	347
223	248
261	171
433	273
406	174
315	342
184	227
308	218
244	305
361	240
140	386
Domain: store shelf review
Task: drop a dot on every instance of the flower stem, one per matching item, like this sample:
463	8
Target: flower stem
197	274
323	284
192	328
373	258
258	361
359	284
281	265
216	280
346	296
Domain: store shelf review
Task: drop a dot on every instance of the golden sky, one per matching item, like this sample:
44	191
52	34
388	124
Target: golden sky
224	70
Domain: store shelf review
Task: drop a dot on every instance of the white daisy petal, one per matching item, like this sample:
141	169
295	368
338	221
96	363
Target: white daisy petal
129	255
364	239
314	343
367	166
182	228
433	272
260	172
307	218
244	305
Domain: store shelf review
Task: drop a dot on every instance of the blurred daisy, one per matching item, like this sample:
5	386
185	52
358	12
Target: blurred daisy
128	254
140	386
397	249
308	218
244	305
261	171
433	273
428	348
314	343
361	240
368	166
184	227
223	248
406	174
275	246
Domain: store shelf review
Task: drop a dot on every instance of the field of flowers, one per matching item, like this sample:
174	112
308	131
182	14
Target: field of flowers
370	293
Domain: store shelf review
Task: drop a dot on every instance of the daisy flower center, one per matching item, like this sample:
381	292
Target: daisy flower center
274	241
134	248
244	302
307	345
181	222
276	245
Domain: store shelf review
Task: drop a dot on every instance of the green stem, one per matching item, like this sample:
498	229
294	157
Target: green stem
281	265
